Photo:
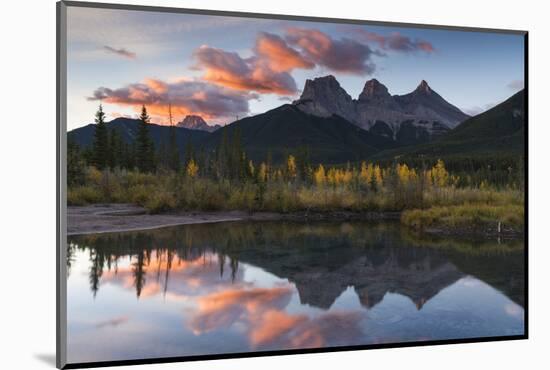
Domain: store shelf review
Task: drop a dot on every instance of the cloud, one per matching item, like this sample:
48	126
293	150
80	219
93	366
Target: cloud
186	96
121	52
222	309
279	56
395	41
262	312
229	70
342	55
516	85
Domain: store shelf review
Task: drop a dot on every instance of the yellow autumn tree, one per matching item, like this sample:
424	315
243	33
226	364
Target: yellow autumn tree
192	169
439	174
377	174
277	175
364	174
331	177
251	168
347	175
319	176
291	167
403	173
262	172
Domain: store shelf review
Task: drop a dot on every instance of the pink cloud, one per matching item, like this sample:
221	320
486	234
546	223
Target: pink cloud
229	70
340	55
186	97
279	55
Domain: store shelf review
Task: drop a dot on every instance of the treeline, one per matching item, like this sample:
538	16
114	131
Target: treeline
229	161
110	152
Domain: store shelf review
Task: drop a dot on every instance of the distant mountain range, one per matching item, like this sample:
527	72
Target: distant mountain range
128	128
336	128
408	119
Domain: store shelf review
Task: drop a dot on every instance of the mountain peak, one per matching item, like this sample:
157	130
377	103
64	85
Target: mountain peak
195	122
373	88
326	78
320	84
323	96
423	87
324	87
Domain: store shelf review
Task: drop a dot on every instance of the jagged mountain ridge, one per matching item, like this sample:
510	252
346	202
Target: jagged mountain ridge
195	122
422	113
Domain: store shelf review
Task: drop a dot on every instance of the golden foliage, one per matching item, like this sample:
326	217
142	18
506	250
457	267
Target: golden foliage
319	176
262	173
291	167
192	169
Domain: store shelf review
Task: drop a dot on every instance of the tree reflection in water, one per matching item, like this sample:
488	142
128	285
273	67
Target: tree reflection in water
321	259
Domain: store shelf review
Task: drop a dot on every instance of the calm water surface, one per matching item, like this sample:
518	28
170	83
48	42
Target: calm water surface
255	286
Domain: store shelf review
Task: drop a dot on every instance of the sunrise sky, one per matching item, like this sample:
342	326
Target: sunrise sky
224	67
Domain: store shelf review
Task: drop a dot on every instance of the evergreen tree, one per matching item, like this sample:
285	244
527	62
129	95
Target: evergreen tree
101	140
130	156
138	272
75	164
115	149
145	148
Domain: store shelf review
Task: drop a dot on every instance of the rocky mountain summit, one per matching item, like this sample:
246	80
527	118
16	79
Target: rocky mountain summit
421	113
194	122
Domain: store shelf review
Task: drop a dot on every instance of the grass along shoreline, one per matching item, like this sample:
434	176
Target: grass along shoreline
430	202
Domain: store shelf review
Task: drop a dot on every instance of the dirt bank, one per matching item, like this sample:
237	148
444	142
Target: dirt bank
105	218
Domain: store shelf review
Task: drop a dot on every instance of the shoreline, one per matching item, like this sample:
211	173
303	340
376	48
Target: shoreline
114	218
111	218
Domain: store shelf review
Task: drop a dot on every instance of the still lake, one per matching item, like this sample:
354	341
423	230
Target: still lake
254	286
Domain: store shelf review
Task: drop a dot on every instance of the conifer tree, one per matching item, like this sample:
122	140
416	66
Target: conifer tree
145	148
101	140
115	149
75	164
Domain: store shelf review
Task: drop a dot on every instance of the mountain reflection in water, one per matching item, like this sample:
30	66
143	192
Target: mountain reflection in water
240	287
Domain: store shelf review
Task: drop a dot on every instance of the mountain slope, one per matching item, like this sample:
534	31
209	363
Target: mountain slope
427	104
498	130
128	129
286	129
502	120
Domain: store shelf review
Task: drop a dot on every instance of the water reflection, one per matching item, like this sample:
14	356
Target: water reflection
237	287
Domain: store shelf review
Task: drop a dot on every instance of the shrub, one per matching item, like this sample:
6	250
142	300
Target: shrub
470	215
160	201
83	195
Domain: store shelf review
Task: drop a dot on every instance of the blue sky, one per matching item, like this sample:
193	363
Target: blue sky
223	67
